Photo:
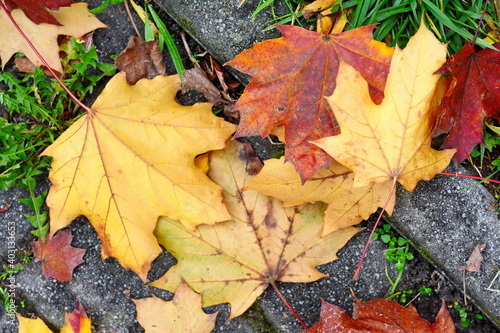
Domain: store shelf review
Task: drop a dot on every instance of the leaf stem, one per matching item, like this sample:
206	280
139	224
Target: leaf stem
86	108
365	250
467	176
280	295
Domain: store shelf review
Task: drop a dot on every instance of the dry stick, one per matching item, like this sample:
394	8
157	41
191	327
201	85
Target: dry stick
288	305
365	250
188	50
86	108
480	22
132	19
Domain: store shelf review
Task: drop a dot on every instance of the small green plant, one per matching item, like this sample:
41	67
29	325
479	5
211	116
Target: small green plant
462	312
294	14
103	6
37	112
398	250
7	285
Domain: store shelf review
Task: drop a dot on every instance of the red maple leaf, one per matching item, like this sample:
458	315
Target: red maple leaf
379	315
58	257
473	97
36	10
291	76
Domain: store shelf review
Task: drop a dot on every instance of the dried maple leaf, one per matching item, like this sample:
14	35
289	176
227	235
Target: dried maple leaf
75	21
58	257
390	141
473	97
346	205
291	76
379	316
182	314
140	60
36	10
475	259
235	261
129	160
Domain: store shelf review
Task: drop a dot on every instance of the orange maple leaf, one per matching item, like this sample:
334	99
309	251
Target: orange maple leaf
291	76
58	257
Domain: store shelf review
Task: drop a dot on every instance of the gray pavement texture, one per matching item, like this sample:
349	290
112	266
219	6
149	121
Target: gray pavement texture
443	218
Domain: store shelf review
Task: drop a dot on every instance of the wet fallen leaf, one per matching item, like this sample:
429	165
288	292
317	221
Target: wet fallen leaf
291	76
196	79
76	321
75	21
130	160
182	314
473	97
346	205
140	60
379	316
57	256
36	10
475	259
390	141
236	260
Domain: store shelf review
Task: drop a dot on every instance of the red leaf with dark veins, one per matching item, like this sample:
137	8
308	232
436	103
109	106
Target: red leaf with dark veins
36	10
291	76
58	257
473	97
379	316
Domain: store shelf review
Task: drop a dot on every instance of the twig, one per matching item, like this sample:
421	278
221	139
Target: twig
492	281
132	19
188	51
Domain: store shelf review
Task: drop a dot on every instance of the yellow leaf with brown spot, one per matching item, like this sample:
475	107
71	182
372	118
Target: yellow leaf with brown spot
236	260
390	141
129	160
182	314
75	21
346	205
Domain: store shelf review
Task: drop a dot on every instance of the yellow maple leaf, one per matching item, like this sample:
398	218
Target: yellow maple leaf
28	325
74	322
75	21
346	205
129	160
182	314
234	261
390	141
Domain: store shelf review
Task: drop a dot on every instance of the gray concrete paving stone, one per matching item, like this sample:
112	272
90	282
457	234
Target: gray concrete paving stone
447	232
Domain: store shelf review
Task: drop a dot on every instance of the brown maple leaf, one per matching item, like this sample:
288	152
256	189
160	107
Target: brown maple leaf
475	259
473	97
140	60
57	256
235	261
36	10
290	77
379	316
